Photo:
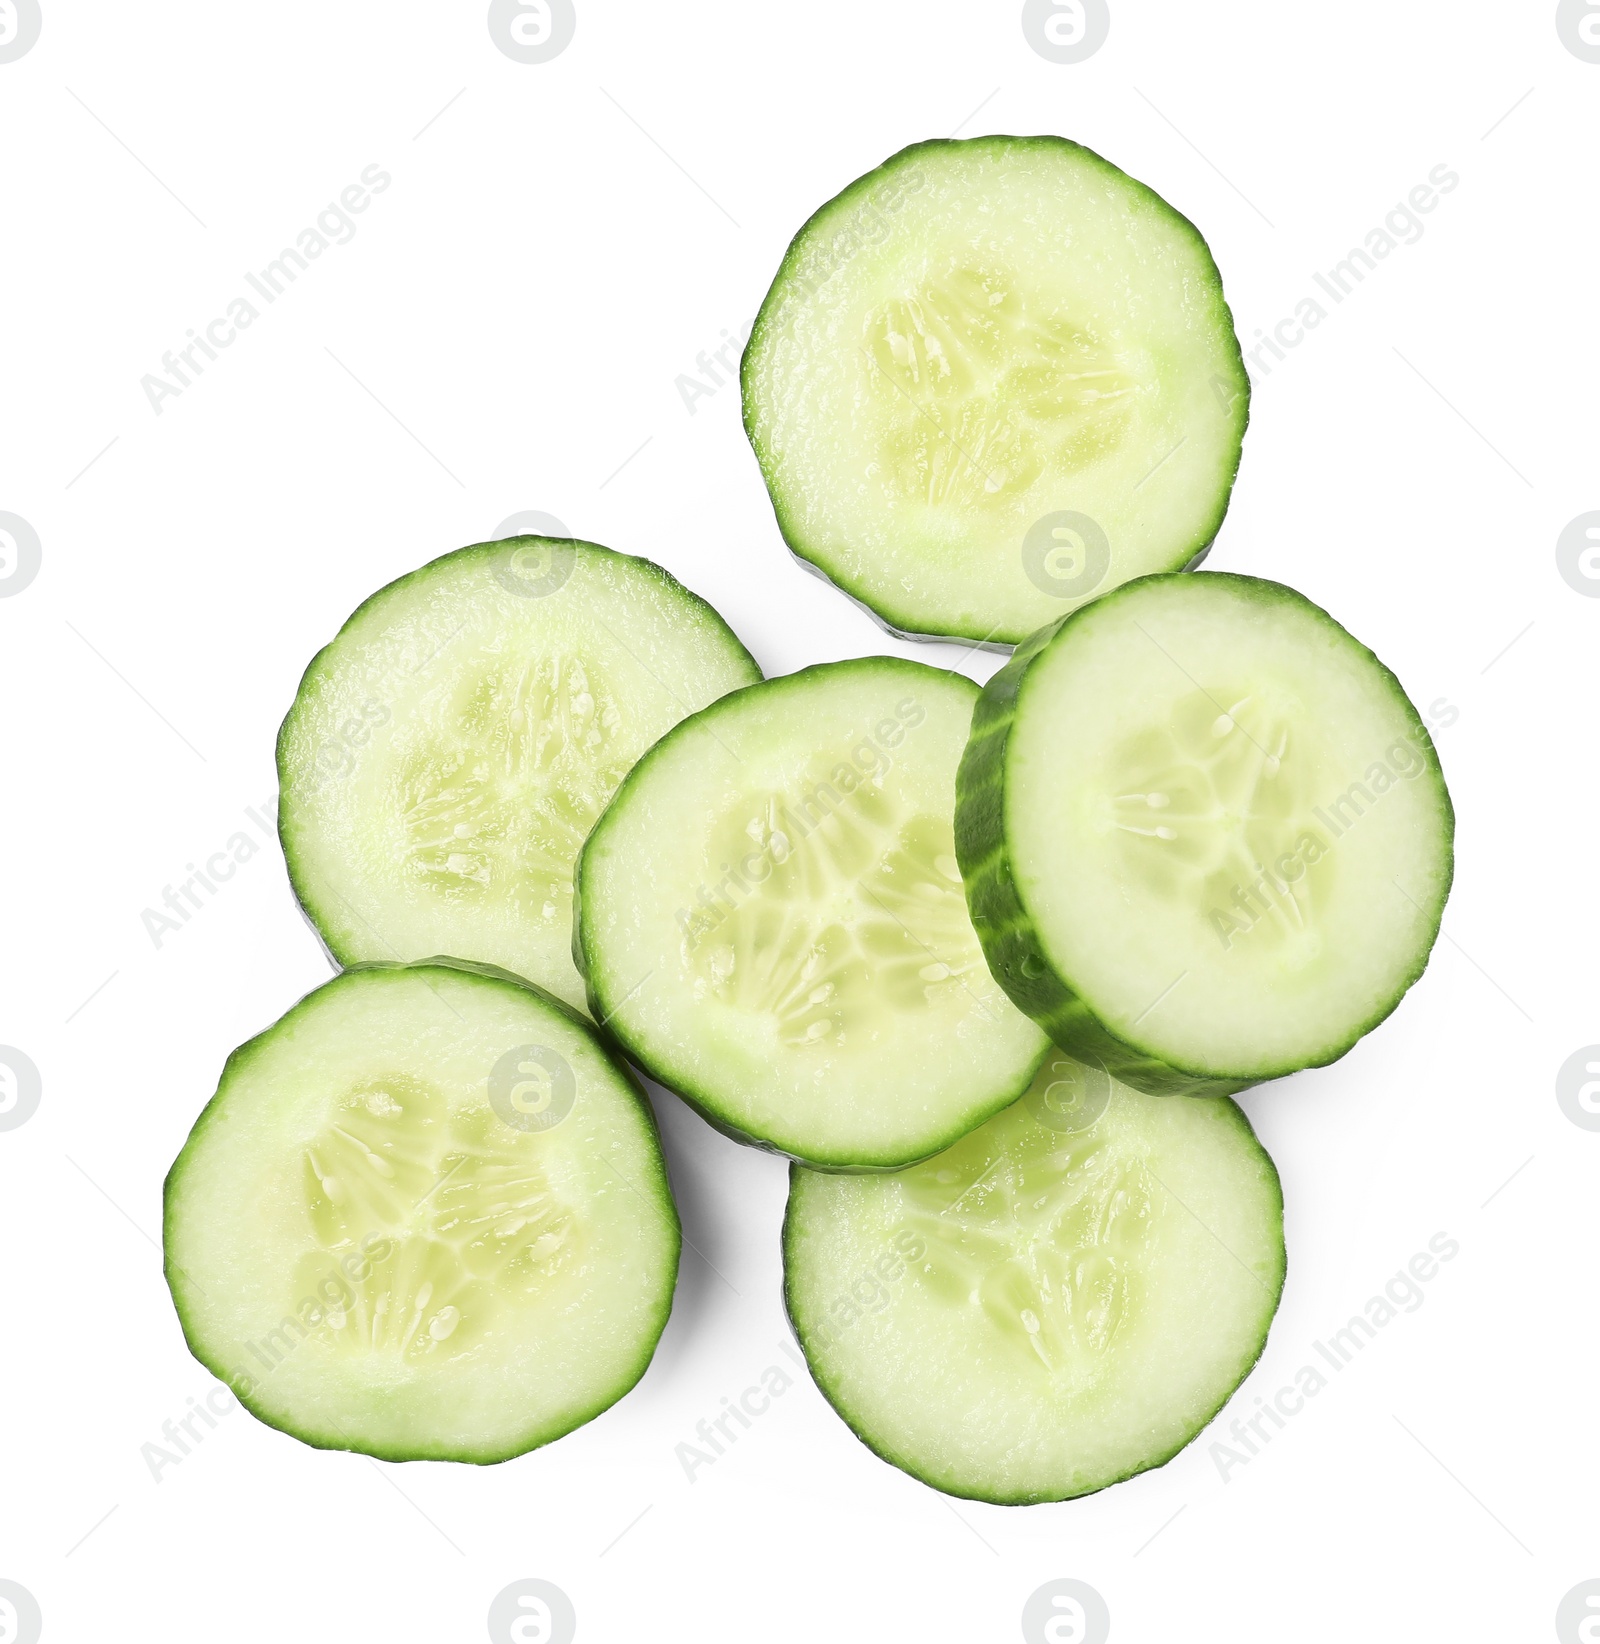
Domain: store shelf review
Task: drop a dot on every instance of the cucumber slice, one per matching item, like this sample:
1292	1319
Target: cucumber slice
770	919
1204	834
447	753
1063	1299
425	1216
992	379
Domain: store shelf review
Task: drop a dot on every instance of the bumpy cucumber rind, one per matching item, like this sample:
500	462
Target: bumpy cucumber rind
605	1009
178	1281
969	1492
1011	942
324	927
1185	557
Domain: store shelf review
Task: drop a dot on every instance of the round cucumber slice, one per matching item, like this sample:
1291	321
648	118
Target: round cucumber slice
425	1216
1063	1299
991	380
447	753
1204	834
770	920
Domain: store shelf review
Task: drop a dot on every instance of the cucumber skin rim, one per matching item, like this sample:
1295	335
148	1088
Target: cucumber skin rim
607	1016
340	951
1011	943
1035	1498
791	536
244	1054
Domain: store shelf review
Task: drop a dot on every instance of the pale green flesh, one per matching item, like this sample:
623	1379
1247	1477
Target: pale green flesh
973	339
448	753
1062	1299
803	967
376	1260
1227	824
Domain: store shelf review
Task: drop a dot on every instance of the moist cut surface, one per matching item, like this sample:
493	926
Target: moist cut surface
448	753
993	379
805	970
1063	1298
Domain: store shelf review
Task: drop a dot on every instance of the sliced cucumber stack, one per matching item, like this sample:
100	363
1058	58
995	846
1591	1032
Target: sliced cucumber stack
425	1216
770	919
1064	1298
946	949
1204	834
447	753
992	379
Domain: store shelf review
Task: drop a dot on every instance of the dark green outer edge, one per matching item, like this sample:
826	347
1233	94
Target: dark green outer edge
611	1012
326	660
902	628
1038	1498
1011	942
246	1053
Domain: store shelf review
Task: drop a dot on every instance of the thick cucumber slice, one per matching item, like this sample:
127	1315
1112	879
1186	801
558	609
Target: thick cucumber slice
450	749
992	379
1204	834
1064	1298
771	921
425	1216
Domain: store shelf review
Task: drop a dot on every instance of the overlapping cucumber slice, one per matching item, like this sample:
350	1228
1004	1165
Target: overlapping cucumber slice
771	920
1204	833
1064	1298
449	751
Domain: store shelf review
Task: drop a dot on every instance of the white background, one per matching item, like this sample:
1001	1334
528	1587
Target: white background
522	300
